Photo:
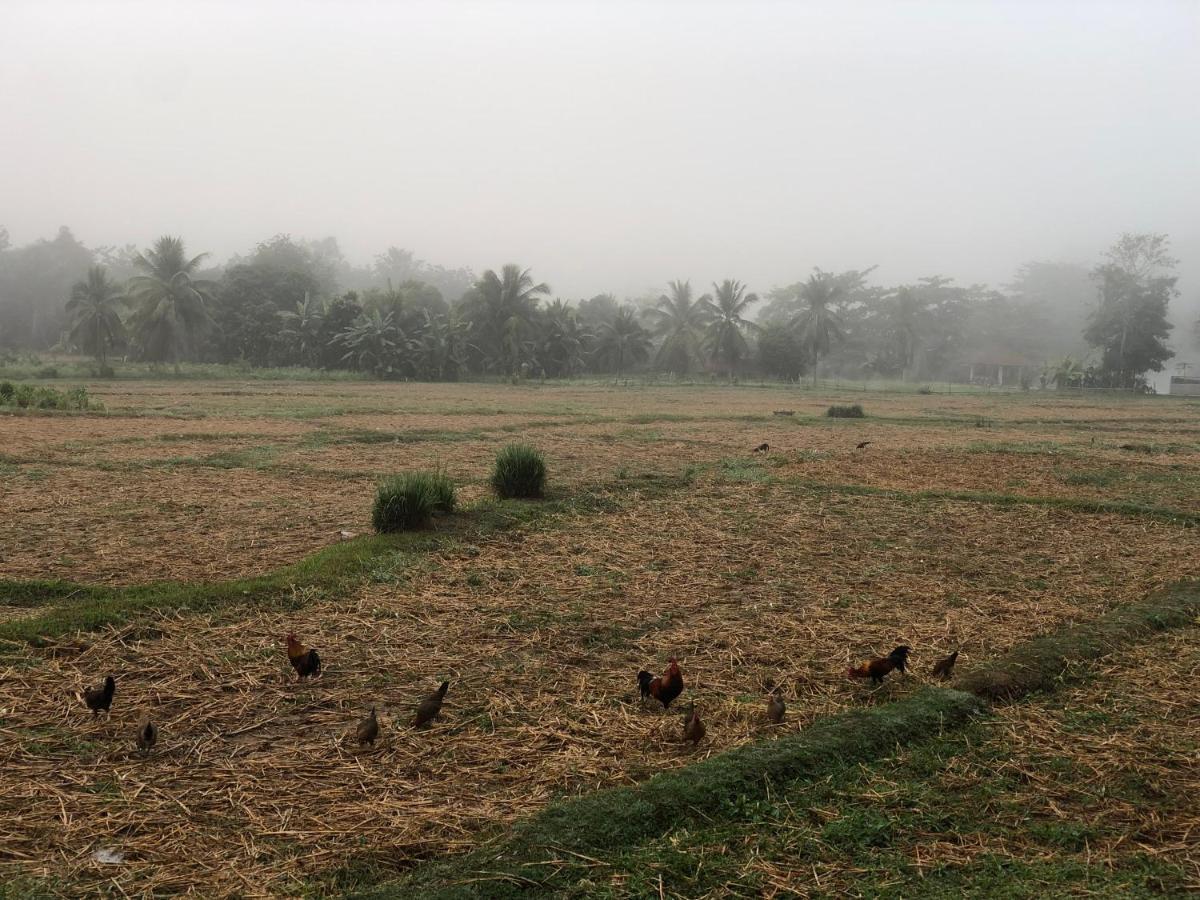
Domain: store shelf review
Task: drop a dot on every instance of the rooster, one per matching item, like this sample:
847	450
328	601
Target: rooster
775	707
304	660
863	445
762	448
100	698
693	728
944	668
147	736
876	669
428	709
666	687
368	730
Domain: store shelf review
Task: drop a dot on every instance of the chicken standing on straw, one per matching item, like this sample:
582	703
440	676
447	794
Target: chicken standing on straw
100	698
876	669
304	660
666	687
776	707
368	730
147	736
693	728
944	668
428	709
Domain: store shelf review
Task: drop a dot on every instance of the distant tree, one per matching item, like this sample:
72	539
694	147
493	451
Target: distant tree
171	305
725	337
780	352
501	309
1130	324
679	321
95	318
374	344
817	321
301	332
340	314
35	279
622	342
1050	307
562	344
399	265
440	349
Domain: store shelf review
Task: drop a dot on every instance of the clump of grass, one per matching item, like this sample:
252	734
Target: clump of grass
408	501
28	396
845	412
925	389
520	472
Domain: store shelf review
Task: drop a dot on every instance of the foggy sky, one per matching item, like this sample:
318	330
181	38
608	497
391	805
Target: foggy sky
611	146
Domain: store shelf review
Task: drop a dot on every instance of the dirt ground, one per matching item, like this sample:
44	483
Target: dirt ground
756	570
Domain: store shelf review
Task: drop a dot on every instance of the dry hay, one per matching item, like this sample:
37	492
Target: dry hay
541	633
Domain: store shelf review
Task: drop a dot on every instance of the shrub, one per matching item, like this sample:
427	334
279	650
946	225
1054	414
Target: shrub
28	396
408	501
925	389
845	412
47	372
6	391
520	472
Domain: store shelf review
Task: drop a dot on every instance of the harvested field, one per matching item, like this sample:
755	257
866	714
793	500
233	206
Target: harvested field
755	570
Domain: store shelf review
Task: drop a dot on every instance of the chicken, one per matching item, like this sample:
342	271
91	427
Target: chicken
368	730
762	448
876	669
100	698
693	728
147	735
944	668
862	445
775	707
666	687
304	660
428	709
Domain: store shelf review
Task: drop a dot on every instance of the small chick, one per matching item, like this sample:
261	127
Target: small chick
693	728
100	698
775	707
368	730
147	736
429	708
944	668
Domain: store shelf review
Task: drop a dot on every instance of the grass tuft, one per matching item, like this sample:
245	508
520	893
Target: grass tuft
520	471
845	412
406	502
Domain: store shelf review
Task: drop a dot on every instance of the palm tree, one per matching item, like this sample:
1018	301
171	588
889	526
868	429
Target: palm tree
562	342
906	326
440	349
679	321
622	341
502	311
724	337
819	324
96	325
172	306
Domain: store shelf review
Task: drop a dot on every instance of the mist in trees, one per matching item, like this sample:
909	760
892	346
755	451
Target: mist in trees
293	302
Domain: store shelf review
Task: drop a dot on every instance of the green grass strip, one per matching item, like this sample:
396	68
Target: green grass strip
1120	507
1043	663
717	787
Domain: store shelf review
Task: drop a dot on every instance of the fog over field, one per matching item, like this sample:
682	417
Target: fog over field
612	146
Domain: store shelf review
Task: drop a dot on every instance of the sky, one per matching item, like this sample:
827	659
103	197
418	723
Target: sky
612	146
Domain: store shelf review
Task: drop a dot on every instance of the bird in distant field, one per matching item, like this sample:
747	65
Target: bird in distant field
876	669
428	709
666	687
147	735
762	448
368	730
693	728
944	668
862	445
100	698
304	660
775	707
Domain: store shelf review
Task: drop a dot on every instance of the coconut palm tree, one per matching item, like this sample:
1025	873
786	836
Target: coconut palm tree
501	309
171	304
374	344
622	341
724	337
96	325
679	321
562	341
818	322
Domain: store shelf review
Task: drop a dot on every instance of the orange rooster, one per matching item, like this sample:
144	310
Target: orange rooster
304	660
876	669
666	687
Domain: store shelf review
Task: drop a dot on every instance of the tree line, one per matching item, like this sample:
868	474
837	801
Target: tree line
297	303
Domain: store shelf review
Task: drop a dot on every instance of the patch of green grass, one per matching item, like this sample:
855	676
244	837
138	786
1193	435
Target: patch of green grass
406	502
519	471
854	411
736	469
